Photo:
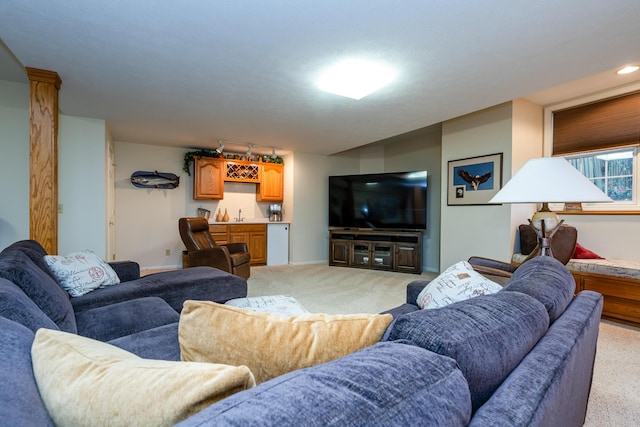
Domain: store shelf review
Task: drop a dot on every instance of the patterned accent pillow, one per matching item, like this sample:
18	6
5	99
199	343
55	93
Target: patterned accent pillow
457	283
284	305
81	272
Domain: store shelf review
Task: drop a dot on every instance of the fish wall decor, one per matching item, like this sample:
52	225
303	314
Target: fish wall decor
144	179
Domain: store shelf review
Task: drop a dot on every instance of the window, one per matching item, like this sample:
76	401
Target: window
610	170
599	134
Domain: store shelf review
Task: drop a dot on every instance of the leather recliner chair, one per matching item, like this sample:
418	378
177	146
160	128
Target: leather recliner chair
562	246
203	250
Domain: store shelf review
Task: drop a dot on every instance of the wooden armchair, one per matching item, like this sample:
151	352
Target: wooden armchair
203	250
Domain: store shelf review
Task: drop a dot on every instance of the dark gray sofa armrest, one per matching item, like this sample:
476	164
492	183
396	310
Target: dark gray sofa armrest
126	270
413	290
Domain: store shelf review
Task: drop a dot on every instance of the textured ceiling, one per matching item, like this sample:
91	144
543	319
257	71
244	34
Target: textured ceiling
188	73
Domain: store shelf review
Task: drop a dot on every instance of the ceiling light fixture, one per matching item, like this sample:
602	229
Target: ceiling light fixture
220	149
628	69
355	78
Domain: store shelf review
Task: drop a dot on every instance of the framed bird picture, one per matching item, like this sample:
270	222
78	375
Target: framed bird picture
475	180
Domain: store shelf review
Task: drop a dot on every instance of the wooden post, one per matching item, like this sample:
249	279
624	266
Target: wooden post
43	163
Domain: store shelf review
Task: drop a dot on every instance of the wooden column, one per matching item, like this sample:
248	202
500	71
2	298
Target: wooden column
43	164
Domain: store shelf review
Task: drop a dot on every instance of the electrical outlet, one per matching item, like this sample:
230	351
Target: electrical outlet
60	208
167	252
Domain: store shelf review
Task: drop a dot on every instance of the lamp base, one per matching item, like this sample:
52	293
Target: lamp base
545	224
545	217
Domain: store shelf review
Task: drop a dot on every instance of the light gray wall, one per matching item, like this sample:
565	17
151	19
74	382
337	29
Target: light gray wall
309	237
81	185
14	162
475	230
514	129
422	151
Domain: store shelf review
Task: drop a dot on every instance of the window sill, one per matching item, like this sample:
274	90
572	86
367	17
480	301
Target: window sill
602	212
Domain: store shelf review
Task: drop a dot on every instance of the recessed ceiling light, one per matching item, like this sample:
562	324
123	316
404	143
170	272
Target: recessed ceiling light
628	69
355	78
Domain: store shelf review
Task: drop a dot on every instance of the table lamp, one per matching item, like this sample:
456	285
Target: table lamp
548	180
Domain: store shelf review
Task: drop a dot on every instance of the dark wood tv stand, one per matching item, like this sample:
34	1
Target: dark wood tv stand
381	250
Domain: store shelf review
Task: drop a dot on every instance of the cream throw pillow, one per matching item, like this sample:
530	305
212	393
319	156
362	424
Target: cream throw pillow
84	382
269	344
457	283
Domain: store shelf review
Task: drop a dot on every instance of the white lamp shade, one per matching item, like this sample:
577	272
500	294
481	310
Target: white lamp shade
549	180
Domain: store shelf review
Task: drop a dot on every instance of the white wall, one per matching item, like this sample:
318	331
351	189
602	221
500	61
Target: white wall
14	162
527	144
81	185
610	236
146	218
80	175
475	230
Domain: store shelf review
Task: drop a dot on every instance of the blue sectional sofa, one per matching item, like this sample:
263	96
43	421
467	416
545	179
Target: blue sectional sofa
139	315
521	357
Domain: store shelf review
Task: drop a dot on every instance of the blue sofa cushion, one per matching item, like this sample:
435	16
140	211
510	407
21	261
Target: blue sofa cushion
205	283
18	268
551	385
15	305
126	270
374	386
21	402
159	343
547	280
125	318
487	335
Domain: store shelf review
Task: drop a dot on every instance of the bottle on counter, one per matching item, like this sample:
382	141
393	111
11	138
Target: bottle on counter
219	217
225	218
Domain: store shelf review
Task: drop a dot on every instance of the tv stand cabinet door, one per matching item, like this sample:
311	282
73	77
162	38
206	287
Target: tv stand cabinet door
406	258
340	252
360	254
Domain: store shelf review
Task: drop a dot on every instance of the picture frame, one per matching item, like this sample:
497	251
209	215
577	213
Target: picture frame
474	180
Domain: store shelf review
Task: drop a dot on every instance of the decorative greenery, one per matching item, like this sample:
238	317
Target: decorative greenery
204	152
277	160
190	155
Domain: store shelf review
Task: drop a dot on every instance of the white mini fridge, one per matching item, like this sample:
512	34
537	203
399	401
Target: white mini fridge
277	243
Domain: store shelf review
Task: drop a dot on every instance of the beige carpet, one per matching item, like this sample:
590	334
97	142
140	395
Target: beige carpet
615	394
334	290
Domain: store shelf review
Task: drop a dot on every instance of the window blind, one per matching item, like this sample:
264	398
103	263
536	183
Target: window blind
601	125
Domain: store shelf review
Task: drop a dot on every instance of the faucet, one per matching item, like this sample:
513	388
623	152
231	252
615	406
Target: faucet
239	215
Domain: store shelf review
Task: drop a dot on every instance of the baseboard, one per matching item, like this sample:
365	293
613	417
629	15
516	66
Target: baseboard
326	261
158	268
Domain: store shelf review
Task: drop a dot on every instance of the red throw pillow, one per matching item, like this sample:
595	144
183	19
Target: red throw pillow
583	253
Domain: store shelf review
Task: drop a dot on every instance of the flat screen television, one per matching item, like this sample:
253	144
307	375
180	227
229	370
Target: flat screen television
379	201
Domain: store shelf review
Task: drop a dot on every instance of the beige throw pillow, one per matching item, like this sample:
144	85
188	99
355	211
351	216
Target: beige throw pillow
269	344
84	382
